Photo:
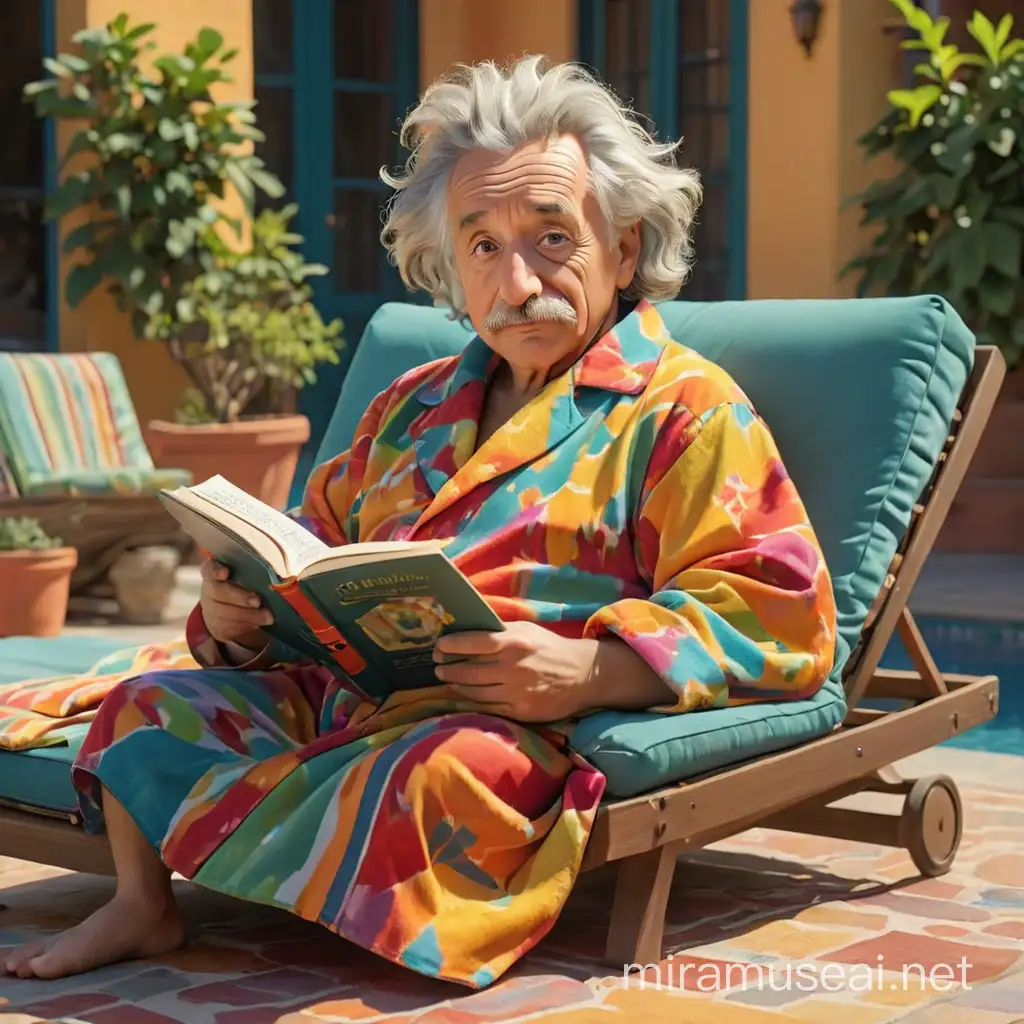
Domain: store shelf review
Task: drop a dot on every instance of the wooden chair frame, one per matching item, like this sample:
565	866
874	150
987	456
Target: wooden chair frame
793	790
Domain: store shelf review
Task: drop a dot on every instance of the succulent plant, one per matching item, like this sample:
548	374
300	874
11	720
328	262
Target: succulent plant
25	534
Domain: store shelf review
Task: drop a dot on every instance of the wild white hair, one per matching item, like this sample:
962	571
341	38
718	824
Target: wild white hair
633	176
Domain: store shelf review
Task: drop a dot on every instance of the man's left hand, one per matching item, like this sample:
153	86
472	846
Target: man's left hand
526	673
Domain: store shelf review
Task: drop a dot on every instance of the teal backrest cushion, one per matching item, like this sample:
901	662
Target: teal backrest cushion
859	394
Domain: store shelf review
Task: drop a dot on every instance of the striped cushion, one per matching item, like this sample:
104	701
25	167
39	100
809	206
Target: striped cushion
66	416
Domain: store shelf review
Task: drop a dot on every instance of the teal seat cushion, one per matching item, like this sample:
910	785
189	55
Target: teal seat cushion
859	394
640	752
42	778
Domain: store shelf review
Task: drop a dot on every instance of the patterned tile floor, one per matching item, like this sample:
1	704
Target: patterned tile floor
765	927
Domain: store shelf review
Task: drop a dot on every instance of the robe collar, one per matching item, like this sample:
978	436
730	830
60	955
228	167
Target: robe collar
622	361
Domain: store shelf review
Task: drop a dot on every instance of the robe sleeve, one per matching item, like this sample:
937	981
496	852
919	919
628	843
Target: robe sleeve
329	510
741	606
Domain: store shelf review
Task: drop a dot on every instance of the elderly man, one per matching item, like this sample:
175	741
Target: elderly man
613	496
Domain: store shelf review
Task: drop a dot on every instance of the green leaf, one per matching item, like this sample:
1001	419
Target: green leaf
917	102
74	63
228	55
175	246
191	135
1010	215
1007	169
946	190
266	182
85	234
123	201
210	41
1003	31
139	31
35	89
955	62
984	31
967	258
169	130
118	142
1018	332
57	67
72	193
998	295
82	279
178	181
1011	49
1003	247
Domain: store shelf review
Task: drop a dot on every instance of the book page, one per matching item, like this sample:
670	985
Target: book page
298	545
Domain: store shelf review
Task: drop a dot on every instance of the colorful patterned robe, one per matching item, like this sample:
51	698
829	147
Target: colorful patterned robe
637	496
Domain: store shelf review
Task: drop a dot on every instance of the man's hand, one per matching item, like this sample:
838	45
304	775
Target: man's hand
526	673
232	615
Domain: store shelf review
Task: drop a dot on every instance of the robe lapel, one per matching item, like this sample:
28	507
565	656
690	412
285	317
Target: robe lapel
541	425
445	435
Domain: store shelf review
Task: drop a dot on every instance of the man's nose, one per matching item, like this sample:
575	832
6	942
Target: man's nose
519	280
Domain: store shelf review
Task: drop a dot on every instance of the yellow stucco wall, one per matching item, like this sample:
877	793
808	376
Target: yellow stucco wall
466	31
154	381
806	114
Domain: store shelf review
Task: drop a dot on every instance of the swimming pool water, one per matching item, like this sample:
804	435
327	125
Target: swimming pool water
978	647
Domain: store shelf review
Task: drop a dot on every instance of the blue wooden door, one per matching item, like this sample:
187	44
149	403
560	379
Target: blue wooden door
334	78
683	65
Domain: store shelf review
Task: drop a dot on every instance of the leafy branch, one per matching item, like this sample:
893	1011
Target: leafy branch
951	220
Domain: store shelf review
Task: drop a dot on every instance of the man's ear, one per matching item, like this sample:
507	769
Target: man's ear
630	241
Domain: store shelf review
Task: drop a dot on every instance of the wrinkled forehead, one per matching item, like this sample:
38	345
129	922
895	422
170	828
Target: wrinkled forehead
537	176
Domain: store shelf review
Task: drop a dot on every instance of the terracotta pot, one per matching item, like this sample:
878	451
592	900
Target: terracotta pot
34	587
259	454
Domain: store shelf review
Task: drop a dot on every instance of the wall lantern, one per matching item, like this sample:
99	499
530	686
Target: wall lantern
806	17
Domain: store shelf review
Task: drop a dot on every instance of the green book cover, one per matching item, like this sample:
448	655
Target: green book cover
389	601
393	611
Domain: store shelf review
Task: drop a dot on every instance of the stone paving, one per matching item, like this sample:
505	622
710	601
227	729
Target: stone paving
765	927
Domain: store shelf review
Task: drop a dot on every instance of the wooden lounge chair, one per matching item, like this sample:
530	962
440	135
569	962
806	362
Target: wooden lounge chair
72	456
878	406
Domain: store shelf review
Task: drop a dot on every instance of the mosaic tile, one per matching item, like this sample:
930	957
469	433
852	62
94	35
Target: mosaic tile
897	950
785	939
923	906
1005	870
70	1005
1006	929
255	989
752	902
841	916
946	931
993	997
945	1014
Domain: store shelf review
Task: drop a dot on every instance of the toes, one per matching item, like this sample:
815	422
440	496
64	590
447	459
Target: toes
19	957
43	967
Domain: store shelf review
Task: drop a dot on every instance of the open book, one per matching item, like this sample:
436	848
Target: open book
373	611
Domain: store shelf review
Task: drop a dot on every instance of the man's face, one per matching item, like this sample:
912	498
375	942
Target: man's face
528	230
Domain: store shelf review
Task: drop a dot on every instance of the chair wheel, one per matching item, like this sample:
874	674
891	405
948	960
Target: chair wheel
932	824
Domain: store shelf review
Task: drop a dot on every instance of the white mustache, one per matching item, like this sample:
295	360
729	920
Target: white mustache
537	307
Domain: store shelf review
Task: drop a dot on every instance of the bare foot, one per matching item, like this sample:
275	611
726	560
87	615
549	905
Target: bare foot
123	929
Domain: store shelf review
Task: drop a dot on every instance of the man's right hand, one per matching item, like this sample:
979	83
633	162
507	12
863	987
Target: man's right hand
232	615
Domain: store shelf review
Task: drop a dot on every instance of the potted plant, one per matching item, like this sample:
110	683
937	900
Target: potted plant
260	338
158	153
36	572
950	221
